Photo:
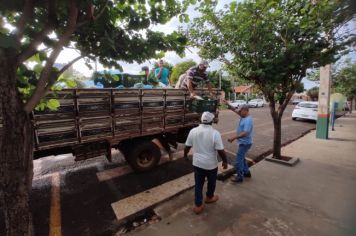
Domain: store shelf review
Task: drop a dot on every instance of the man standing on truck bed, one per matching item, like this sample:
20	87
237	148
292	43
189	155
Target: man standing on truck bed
206	142
193	77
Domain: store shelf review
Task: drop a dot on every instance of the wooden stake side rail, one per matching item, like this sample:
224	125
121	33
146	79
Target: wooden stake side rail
90	115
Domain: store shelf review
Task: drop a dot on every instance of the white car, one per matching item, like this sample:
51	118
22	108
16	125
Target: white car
256	103
296	101
238	103
306	110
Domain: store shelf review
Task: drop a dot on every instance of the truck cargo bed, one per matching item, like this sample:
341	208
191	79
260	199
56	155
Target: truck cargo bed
89	115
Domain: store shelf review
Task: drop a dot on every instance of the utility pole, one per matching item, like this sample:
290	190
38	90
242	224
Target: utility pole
96	66
220	80
322	125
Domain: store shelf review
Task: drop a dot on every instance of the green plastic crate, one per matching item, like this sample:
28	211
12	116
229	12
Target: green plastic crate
201	106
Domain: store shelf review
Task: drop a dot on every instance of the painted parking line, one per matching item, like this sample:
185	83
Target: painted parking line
124	170
55	228
150	198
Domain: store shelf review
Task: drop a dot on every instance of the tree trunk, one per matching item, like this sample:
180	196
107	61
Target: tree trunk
277	114
277	137
351	104
16	152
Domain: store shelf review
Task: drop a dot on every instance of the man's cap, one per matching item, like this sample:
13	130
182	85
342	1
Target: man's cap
244	107
204	62
207	117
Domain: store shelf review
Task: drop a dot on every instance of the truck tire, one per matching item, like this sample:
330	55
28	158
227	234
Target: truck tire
143	156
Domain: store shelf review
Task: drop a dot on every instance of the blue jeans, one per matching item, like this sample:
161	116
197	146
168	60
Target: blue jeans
240	163
199	176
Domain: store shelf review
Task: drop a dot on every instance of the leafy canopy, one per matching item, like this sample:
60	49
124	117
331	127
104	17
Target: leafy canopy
343	78
345	81
180	69
313	93
272	42
216	78
102	30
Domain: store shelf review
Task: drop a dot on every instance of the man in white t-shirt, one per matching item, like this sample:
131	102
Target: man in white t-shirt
206	142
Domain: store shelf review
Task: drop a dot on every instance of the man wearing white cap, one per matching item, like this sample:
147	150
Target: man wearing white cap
206	142
193	77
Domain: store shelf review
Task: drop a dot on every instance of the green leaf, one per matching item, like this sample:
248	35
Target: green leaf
115	77
35	58
53	104
38	68
71	83
41	106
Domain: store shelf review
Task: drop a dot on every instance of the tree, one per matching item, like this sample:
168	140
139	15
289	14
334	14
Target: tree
112	80
299	87
313	75
313	93
241	97
71	79
104	30
181	68
273	43
345	81
214	77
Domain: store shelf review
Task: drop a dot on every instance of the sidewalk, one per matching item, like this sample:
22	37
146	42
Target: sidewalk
315	197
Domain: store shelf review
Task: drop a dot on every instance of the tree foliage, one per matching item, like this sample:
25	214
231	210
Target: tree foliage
181	68
273	42
343	78
313	93
345	81
214	77
110	80
299	88
313	75
107	31
32	36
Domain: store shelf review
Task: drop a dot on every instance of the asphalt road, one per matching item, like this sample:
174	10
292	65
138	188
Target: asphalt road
70	198
263	130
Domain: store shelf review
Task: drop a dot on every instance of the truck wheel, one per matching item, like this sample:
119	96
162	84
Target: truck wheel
144	156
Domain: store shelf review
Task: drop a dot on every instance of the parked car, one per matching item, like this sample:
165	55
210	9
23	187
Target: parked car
297	101
256	103
238	103
306	110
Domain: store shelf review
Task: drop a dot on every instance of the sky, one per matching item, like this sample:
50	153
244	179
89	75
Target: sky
171	57
134	68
